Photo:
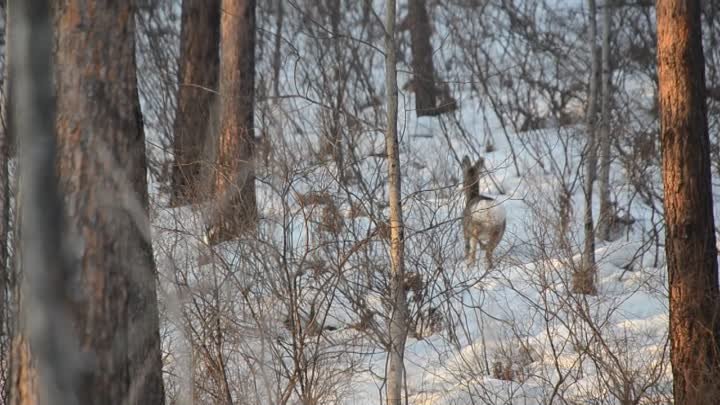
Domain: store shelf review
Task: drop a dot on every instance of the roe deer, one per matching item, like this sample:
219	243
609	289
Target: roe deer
483	218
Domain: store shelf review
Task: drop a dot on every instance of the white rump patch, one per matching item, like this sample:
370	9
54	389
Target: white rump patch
489	214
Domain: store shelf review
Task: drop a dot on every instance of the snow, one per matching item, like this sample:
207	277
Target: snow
520	314
550	344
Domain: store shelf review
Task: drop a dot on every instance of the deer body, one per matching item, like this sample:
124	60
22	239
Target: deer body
484	218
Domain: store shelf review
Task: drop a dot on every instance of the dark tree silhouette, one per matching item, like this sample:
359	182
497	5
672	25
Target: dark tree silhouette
198	80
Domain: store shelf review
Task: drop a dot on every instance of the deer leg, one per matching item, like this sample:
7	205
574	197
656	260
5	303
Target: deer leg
492	244
467	249
473	249
489	248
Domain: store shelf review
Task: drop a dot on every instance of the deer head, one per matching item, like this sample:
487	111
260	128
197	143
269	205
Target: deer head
471	177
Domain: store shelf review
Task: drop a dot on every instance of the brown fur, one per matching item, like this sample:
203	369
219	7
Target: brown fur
313	198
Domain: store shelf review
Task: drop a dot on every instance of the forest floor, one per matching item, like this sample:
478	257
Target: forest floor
511	334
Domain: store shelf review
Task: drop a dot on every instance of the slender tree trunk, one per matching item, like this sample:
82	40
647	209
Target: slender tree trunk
606	213
5	270
340	86
236	209
102	172
277	48
276	118
584	278
398	318
690	235
198	80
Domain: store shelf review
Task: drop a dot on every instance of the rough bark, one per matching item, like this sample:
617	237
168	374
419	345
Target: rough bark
45	355
690	237
102	174
235	212
432	97
606	214
398	318
422	58
584	277
5	277
198	81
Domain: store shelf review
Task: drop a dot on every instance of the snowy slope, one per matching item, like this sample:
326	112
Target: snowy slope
513	334
549	343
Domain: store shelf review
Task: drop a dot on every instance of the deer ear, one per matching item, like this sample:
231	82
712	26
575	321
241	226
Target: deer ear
466	162
480	163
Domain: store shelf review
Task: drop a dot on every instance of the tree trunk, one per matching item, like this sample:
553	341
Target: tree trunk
606	213
198	80
235	212
340	73
422	58
690	235
398	317
103	175
5	277
584	278
49	375
277	48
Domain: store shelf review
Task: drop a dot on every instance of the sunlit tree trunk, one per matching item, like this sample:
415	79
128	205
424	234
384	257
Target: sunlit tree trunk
398	317
236	208
198	80
584	277
690	234
102	174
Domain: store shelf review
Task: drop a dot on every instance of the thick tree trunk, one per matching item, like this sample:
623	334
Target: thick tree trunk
398	318
422	58
235	212
198	80
102	173
690	236
584	277
432	98
49	375
606	214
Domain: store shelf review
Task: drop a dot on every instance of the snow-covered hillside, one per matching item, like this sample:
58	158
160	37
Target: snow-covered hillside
299	313
514	333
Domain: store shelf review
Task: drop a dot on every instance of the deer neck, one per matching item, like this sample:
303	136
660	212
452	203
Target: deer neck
472	191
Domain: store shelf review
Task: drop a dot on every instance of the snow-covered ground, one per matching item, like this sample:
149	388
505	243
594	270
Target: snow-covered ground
512	334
